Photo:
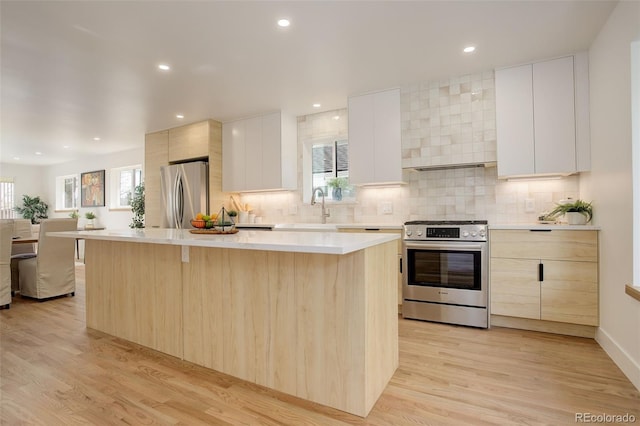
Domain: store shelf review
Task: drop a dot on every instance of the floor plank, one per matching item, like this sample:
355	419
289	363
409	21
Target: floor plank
55	371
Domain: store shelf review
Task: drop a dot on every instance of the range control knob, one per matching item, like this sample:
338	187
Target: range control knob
482	233
419	233
465	234
474	233
408	232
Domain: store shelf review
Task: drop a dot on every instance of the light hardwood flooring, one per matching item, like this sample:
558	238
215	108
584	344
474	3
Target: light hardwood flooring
55	371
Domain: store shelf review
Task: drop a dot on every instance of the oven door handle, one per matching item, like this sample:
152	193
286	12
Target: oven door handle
444	246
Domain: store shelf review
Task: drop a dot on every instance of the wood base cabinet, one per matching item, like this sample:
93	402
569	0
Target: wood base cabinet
545	275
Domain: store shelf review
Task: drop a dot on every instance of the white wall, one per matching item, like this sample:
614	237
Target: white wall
610	184
111	219
28	180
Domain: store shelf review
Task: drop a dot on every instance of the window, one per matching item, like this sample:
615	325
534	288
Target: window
7	199
329	169
67	192
123	183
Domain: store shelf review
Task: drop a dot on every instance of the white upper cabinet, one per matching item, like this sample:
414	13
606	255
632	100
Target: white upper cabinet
259	153
374	138
541	119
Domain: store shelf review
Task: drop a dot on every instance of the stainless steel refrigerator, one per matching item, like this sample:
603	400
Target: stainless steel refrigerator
185	193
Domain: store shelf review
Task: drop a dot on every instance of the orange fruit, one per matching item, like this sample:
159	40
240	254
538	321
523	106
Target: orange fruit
199	216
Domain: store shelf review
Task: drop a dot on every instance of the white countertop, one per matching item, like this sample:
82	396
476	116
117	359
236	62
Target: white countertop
301	242
320	226
551	226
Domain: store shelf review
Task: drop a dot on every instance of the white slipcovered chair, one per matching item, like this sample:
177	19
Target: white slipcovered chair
52	272
21	228
6	232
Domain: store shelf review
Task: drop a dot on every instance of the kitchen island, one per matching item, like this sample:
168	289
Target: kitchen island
311	314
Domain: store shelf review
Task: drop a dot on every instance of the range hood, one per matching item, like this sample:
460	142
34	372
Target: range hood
453	166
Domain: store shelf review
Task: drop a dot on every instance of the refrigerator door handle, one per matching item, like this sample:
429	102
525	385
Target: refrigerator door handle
180	202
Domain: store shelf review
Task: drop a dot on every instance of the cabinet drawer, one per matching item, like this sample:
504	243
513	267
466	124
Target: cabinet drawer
555	245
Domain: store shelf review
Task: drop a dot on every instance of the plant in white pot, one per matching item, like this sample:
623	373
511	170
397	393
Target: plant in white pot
577	213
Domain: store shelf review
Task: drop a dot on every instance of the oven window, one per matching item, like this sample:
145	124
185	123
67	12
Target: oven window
445	268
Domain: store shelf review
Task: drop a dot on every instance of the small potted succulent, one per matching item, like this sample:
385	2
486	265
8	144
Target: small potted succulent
578	212
90	218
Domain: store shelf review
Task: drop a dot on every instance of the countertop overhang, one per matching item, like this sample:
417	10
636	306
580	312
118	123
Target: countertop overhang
300	242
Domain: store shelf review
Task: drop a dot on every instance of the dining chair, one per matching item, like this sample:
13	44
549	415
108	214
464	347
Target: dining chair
52	272
6	233
22	229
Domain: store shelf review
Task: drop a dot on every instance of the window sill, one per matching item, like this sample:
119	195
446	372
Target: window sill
633	291
119	209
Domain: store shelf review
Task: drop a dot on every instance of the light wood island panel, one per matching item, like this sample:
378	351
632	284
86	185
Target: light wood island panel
135	292
322	327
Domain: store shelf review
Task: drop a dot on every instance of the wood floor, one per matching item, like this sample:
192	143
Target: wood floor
55	371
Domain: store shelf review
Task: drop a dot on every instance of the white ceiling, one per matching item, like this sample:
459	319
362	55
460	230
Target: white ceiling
72	71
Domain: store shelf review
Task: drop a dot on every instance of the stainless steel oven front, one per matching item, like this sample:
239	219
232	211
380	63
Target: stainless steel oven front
445	277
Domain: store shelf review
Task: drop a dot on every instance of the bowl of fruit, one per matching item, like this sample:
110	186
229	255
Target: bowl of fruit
200	221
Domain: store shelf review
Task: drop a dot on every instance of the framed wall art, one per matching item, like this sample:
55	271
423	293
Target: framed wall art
92	189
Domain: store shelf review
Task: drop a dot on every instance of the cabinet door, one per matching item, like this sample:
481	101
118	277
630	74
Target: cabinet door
271	152
569	292
514	121
554	116
361	140
253	154
156	154
386	131
233	155
515	289
189	142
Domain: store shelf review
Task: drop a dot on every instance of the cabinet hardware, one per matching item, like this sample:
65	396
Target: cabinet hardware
400	265
540	272
540	230
371	229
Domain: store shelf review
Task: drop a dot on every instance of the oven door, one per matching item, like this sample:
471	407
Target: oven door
446	272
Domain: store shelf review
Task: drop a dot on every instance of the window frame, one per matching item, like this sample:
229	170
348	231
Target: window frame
115	180
61	193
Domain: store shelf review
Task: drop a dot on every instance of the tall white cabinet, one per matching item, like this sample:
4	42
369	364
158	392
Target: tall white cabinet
259	153
541	116
374	138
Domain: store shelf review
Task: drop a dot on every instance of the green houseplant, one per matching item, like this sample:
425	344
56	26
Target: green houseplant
33	208
137	207
578	212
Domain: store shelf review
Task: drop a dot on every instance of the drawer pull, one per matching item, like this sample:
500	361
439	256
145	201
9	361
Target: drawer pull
540	272
540	230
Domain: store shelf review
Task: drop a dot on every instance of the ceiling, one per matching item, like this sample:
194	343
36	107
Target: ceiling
76	70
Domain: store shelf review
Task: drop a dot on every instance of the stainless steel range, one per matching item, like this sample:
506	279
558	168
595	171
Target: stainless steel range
445	277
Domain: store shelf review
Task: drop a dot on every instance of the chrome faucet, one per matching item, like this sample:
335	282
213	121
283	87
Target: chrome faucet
325	213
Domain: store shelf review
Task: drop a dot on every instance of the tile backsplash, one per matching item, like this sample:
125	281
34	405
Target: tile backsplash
445	122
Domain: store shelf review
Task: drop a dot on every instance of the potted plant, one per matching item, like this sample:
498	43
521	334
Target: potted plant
578	213
137	207
33	208
337	185
90	217
74	214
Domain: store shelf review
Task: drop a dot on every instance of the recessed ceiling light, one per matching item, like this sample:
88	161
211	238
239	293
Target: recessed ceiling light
16	158
317	105
38	153
164	67
66	147
469	49
180	116
283	23
336	117
96	138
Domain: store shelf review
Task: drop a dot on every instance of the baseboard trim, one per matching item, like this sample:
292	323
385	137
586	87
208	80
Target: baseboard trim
544	326
623	360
